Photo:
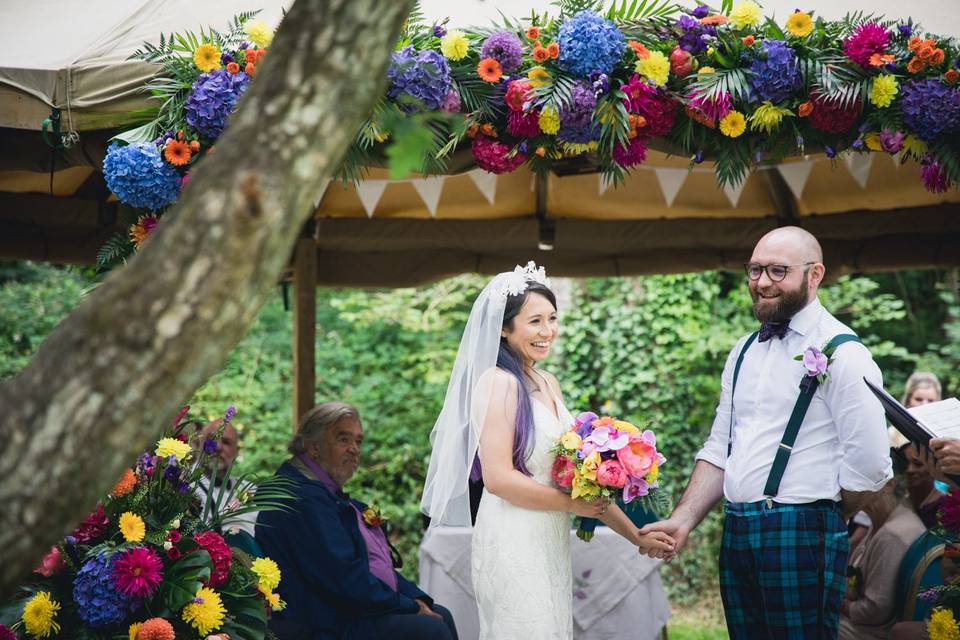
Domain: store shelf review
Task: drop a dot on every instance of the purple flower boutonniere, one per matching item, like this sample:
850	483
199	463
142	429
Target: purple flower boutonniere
816	363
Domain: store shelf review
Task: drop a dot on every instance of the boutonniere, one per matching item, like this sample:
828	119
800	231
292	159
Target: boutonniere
816	363
373	518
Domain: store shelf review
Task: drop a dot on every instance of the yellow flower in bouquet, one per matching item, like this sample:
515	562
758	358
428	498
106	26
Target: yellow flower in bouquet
655	68
653	474
167	447
40	615
205	612
132	527
259	33
454	45
571	441
590	465
268	573
625	427
206	57
746	14
583	488
942	625
799	24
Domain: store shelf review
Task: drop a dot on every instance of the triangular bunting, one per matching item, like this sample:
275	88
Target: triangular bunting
858	164
321	193
603	185
429	190
670	182
486	182
370	192
733	191
796	174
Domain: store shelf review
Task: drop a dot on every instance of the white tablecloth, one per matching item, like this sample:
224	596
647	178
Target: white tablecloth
617	593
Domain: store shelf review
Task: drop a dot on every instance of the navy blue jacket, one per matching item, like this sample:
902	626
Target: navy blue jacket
326	580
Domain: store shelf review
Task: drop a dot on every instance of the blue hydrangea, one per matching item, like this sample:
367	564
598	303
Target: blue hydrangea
929	108
589	43
774	73
212	99
139	177
98	603
576	121
418	80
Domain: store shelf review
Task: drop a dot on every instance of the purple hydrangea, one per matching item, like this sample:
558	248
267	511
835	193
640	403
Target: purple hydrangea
99	604
589	43
212	99
774	73
576	121
505	48
601	83
418	80
929	108
451	104
139	177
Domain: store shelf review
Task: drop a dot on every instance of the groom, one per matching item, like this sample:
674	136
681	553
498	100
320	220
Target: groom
784	450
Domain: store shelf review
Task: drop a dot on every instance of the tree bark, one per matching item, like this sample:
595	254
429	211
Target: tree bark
108	380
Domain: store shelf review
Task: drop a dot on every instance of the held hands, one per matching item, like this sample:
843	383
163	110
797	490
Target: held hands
654	541
588	508
673	530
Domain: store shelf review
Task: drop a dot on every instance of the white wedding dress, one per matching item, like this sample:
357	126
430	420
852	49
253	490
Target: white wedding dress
521	568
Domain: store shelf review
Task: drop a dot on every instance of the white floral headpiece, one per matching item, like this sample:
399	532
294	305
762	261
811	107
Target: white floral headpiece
516	282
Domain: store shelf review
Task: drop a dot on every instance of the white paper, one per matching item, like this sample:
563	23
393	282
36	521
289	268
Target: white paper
940	418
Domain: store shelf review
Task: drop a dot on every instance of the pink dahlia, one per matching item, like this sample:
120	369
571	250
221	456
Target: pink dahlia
867	39
137	572
517	93
632	154
523	125
831	116
220	553
493	156
935	180
658	111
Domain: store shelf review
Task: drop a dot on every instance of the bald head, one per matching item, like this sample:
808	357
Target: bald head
790	263
799	244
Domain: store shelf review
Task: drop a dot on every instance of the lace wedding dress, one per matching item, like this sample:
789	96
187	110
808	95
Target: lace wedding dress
521	557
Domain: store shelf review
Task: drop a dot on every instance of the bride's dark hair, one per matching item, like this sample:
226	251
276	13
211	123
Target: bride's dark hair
511	362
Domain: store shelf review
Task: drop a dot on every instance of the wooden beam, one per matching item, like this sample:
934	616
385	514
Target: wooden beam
304	326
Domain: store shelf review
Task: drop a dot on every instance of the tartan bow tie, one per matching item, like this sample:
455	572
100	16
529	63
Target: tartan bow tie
772	330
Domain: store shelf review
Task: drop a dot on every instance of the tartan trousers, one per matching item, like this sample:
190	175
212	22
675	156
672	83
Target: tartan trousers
783	570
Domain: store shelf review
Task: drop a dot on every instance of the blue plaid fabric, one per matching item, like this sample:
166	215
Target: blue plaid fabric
782	570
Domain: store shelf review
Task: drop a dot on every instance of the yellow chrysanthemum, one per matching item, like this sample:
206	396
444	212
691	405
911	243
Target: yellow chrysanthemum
205	612
733	124
454	45
259	33
915	147
549	121
872	140
767	117
884	89
133	630
167	447
571	441
268	573
40	615
942	625
578	148
800	24
538	77
706	70
746	14
655	68
273	599
132	527
206	57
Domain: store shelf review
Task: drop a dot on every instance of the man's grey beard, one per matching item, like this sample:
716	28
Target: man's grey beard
789	305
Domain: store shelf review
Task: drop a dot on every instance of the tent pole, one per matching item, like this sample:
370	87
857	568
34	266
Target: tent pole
304	324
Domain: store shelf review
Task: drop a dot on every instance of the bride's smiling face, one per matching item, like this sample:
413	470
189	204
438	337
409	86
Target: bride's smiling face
532	331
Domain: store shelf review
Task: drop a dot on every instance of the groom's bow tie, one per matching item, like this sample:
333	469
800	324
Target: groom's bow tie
772	330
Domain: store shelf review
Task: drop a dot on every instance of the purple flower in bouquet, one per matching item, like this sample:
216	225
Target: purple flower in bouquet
928	595
934	177
891	141
99	604
584	423
210	446
632	154
439	31
635	488
589	43
229	414
212	99
505	48
929	108
702	11
418	80
774	72
815	362
601	83
607	439
139	176
172	473
905	30
576	121
451	104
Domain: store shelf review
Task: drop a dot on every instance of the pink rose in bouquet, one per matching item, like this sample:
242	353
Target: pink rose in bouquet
640	454
562	472
611	474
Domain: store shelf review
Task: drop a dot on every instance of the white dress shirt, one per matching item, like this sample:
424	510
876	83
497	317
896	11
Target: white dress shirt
842	443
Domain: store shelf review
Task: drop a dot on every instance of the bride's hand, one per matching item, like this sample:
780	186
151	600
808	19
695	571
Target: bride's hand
588	508
655	541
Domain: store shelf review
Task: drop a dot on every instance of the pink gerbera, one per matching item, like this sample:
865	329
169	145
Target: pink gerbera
867	39
137	572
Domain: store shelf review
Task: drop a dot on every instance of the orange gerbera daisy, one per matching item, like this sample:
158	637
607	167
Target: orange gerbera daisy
878	60
639	50
177	153
717	19
916	65
489	70
553	49
540	54
125	485
533	33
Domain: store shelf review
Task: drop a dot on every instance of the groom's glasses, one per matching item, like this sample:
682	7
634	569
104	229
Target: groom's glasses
776	272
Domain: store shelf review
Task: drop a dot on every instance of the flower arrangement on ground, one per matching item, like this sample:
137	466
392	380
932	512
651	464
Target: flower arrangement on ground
151	561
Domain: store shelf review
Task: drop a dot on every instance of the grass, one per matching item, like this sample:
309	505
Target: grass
700	621
691	631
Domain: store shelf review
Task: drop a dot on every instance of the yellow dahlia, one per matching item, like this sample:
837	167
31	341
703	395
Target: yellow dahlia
872	140
883	91
167	447
259	33
746	14
549	121
454	45
268	573
942	625
205	612
132	527
733	124
767	117
655	68
800	24
206	57
133	630
40	615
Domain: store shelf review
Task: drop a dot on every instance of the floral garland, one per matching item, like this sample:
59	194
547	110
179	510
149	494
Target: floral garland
594	88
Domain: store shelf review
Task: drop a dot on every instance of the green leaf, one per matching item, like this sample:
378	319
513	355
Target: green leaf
184	578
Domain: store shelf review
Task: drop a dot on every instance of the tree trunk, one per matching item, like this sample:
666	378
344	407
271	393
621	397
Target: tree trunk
112	375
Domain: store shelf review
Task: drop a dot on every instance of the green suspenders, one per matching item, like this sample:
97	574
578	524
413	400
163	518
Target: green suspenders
808	386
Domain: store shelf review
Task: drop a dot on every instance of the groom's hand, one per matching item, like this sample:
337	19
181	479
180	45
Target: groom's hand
673	528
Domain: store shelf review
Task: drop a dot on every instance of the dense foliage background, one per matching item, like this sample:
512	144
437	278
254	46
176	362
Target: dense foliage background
647	349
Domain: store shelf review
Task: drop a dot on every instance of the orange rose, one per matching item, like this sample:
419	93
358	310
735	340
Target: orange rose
916	65
925	53
533	33
250	69
951	76
553	49
747	41
233	67
937	58
540	54
805	109
541	151
914	43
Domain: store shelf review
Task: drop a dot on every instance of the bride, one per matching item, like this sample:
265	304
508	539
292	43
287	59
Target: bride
501	416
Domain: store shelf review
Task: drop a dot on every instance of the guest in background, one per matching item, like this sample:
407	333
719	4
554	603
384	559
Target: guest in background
221	460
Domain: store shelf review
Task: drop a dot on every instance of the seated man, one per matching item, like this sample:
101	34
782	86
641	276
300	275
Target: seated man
221	459
338	575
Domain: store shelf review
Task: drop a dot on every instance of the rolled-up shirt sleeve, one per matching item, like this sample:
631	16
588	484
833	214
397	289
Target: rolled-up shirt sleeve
859	417
714	449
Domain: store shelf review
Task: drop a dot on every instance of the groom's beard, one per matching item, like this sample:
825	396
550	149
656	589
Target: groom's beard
789	304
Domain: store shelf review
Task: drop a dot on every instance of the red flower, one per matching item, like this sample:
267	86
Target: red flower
173	536
173	553
137	572
51	564
92	527
220	553
831	115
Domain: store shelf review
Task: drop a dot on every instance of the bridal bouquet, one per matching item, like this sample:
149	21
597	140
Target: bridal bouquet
608	459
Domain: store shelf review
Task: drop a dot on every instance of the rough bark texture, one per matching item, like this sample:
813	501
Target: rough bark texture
113	374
